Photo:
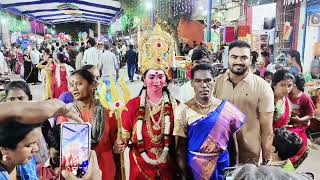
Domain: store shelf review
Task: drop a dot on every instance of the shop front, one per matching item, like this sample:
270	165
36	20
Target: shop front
311	58
311	45
263	19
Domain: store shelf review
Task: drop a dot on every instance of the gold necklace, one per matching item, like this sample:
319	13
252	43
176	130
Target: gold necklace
152	112
204	106
156	139
207	106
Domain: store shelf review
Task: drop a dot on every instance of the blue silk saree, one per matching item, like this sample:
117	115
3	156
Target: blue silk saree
208	138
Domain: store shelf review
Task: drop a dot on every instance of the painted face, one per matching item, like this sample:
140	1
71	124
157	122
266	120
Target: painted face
202	84
283	88
80	88
17	95
25	149
155	80
239	60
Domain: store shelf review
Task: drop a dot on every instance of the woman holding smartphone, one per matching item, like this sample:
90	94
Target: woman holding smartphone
104	128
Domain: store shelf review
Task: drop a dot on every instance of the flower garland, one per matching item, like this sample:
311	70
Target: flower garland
167	124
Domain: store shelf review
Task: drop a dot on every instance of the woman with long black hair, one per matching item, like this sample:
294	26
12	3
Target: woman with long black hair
28	67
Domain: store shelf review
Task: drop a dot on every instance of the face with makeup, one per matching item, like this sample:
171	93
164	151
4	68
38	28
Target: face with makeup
155	80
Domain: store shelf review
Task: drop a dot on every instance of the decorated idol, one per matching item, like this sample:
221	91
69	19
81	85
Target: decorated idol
148	122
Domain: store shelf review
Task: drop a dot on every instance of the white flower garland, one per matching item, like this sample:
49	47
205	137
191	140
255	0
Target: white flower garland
167	124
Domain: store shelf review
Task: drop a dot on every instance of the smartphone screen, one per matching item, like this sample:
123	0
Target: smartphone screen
75	148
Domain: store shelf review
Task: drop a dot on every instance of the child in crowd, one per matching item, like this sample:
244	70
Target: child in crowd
302	104
268	76
51	168
285	145
261	68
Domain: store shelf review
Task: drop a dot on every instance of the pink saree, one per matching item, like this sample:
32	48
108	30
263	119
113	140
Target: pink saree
300	130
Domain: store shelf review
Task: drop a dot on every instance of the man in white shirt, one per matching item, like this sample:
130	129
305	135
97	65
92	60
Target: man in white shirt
35	58
91	55
108	63
186	92
3	65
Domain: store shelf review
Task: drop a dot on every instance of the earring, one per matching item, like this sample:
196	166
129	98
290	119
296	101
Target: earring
4	157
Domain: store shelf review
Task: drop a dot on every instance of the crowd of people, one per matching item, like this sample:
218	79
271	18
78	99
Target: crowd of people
249	119
52	64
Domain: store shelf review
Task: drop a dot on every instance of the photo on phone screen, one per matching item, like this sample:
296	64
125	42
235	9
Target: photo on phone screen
75	148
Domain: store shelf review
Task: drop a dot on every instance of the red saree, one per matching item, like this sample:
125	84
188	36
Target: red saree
59	85
300	130
139	169
284	118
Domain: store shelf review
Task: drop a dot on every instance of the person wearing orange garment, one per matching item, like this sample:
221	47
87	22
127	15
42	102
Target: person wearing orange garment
104	128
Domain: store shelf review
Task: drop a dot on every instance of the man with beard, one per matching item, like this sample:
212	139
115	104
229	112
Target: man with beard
254	97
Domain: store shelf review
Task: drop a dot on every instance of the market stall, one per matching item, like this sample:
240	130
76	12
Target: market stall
181	70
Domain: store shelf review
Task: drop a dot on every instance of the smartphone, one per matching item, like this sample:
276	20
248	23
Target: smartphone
75	148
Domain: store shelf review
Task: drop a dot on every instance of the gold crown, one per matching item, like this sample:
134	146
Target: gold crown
156	50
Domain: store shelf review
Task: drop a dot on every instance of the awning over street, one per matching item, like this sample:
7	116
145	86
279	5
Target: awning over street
64	11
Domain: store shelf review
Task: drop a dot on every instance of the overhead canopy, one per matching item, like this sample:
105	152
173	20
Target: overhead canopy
64	11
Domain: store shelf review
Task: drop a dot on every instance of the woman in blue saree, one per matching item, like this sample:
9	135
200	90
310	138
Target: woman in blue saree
203	128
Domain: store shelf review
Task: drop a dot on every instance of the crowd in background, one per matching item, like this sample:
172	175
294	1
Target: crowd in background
279	99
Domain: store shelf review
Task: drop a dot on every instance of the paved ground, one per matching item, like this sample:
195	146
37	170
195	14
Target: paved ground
311	164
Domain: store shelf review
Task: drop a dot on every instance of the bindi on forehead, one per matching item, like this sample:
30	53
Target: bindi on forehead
155	72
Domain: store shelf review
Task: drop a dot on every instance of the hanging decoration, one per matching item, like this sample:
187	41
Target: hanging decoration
23	38
174	7
64	37
47	38
37	27
287	31
124	22
289	2
16	25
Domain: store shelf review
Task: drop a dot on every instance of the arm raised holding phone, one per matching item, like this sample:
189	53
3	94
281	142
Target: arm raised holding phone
36	112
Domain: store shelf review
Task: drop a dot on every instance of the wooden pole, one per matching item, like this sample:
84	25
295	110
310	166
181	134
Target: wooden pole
119	124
